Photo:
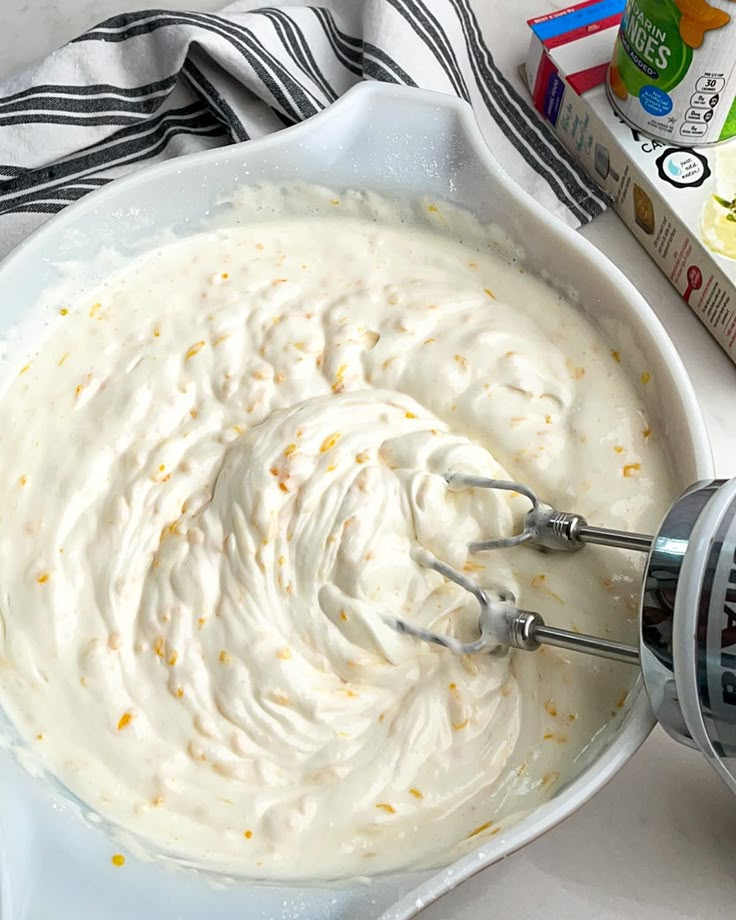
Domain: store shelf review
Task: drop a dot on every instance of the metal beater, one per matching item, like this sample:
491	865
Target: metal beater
687	637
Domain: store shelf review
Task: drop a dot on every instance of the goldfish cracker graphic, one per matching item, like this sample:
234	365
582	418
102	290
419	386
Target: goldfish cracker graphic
673	72
698	17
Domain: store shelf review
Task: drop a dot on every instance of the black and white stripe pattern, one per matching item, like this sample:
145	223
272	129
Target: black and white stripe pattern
145	86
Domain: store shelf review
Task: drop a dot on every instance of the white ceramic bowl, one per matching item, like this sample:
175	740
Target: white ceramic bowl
54	859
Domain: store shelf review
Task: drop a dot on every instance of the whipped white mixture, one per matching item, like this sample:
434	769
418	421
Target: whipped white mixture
214	470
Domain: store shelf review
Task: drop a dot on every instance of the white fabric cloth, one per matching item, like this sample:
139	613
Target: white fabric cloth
149	85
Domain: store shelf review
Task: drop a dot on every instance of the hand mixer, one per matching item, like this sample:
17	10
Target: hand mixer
687	637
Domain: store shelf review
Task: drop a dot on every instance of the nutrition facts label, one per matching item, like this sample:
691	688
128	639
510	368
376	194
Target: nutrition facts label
673	73
703	104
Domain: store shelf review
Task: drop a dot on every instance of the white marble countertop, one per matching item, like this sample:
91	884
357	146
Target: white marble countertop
656	843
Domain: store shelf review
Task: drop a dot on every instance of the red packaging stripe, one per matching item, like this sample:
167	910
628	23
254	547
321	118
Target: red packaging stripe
610	22
584	80
545	72
558	13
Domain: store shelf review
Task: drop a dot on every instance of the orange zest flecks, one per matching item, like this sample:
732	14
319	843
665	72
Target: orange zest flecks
194	349
621	701
409	414
479	829
225	657
645	377
201	621
538	581
171	661
339	385
552	736
550	778
616	355
42	578
619	449
284	654
329	442
63	311
459	726
473	567
22	480
647	433
631	469
416	793
172	529
158	646
179	692
118	860
433	209
94	309
125	719
290	448
550	707
62	359
77	390
247	834
490	293
279	281
24	369
384	806
156	332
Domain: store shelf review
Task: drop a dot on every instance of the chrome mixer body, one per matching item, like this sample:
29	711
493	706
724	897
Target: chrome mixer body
687	636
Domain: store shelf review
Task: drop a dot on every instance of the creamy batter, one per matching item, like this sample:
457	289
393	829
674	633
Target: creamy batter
214	471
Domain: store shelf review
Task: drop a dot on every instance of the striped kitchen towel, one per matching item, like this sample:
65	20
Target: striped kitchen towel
145	86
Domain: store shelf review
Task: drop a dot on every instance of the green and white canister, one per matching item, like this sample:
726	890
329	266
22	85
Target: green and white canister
673	72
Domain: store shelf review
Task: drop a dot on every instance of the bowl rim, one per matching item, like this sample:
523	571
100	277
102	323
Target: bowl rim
638	720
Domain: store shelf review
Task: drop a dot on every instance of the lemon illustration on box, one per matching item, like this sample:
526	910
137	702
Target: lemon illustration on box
718	221
673	72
